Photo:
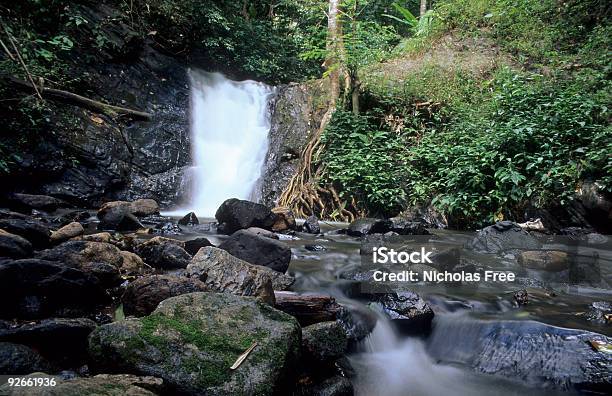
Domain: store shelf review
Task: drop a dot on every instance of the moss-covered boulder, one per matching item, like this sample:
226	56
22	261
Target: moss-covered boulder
192	340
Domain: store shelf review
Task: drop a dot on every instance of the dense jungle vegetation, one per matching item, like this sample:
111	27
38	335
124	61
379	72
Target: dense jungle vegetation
480	108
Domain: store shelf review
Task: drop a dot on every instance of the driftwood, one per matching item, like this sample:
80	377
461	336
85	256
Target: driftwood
79	100
308	308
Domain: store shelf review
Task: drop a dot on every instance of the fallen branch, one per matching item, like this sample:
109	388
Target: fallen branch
79	100
308	308
21	61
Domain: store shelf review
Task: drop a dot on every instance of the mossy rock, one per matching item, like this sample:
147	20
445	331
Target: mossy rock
192	340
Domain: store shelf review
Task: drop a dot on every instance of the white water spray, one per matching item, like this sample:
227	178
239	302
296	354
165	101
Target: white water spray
229	128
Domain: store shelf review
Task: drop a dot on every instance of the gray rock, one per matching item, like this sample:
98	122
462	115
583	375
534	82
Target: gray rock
236	214
407	309
503	236
544	260
334	386
18	359
324	341
14	246
190	341
163	253
34	231
262	232
311	225
223	272
367	226
142	296
193	245
600	312
258	250
406	227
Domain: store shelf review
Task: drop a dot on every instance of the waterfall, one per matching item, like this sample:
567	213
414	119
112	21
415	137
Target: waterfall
230	121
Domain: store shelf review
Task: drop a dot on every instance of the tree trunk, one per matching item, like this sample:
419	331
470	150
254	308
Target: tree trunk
355	94
332	61
423	8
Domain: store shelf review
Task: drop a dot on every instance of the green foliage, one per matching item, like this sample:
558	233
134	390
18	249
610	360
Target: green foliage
364	162
419	27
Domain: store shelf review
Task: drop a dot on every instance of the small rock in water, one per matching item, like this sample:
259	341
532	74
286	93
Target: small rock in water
168	228
600	312
503	236
544	260
189	219
285	219
311	225
315	248
521	297
366	226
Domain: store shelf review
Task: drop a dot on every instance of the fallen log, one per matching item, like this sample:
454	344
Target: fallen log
308	308
72	98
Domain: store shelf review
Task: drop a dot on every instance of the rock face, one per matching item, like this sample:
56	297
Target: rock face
164	253
32	288
18	359
368	226
530	351
503	236
258	250
236	214
324	341
190	341
142	296
225	273
34	231
14	246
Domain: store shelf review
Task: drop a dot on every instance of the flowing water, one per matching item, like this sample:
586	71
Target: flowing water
230	122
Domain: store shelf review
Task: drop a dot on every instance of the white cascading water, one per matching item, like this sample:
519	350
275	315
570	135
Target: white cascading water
230	122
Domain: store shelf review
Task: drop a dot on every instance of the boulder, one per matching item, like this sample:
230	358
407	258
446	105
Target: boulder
61	340
258	250
528	351
18	359
118	216
311	225
193	245
34	231
142	296
333	386
503	236
236	214
98	237
192	340
99	385
324	341
133	265
14	246
406	227
366	226
189	219
225	273
163	253
68	231
102	260
285	220
407	309
262	232
144	207
544	260
27	202
33	288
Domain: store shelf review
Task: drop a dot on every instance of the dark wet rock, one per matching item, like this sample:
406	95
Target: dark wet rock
503	236
285	220
60	340
262	232
366	226
333	386
75	215
407	309
27	202
175	344
324	341
102	260
118	216
189	219
258	250
358	321
33	288
544	260
163	253
521	297
14	246
600	312
168	228
403	226
16	359
446	260
236	214
67	232
222	272
68	383
7	214
133	265
529	351
142	296
193	245
315	248
311	225
427	215
105	237
34	231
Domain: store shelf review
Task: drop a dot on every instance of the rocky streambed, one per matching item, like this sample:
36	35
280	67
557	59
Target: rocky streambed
122	300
